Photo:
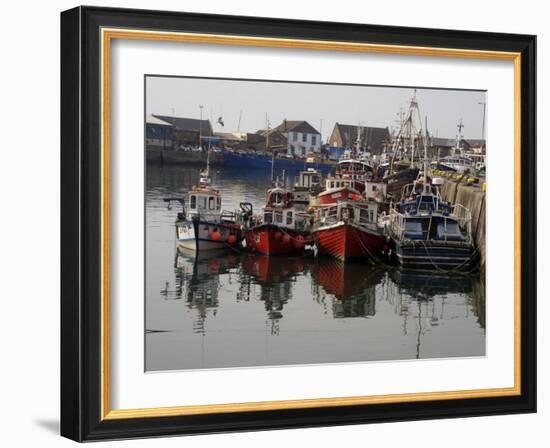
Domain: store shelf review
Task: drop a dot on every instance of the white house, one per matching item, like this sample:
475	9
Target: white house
302	138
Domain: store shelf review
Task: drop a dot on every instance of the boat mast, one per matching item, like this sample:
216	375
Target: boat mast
358	141
268	127
459	137
423	133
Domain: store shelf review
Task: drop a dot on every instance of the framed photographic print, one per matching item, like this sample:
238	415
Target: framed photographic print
274	224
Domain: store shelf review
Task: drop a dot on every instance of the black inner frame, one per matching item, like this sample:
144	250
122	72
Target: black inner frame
81	223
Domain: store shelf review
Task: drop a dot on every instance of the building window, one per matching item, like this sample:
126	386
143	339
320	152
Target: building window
303	150
291	150
294	136
313	140
193	202
304	137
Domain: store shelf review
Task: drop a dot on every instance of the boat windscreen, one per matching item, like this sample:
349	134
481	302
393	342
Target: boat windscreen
413	230
450	232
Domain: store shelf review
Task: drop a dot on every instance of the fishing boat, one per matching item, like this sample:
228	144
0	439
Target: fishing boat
263	161
356	170
430	233
202	225
427	232
349	230
307	184
348	183
457	163
402	167
282	229
337	189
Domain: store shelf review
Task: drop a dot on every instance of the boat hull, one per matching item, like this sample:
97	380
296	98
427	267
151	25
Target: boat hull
196	235
346	241
434	255
263	161
269	239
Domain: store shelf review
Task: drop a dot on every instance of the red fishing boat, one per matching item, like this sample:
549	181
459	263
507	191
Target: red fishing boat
356	170
337	190
281	229
348	230
347	184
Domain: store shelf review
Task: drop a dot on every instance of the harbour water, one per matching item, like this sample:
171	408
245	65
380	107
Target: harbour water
239	310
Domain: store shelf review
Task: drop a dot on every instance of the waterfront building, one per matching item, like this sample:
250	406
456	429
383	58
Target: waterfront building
371	139
187	131
158	133
302	138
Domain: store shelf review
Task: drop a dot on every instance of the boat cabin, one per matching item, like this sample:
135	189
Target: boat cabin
308	183
436	227
308	179
281	210
278	197
458	163
376	190
351	165
204	202
335	183
363	213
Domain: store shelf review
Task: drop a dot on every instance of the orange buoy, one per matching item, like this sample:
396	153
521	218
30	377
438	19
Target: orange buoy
214	265
231	239
286	238
215	235
299	242
278	235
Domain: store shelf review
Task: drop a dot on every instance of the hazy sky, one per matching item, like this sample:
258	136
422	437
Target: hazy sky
365	105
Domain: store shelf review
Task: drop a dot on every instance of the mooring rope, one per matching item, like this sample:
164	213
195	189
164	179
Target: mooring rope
454	269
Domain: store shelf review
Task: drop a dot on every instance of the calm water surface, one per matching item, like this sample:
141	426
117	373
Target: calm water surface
234	310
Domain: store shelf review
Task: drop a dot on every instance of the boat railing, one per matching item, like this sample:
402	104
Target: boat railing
396	224
359	214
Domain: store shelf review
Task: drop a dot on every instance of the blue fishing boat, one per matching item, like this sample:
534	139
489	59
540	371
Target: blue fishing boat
264	161
429	233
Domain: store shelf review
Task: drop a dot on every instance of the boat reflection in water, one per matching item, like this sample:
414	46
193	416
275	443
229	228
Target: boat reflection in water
428	300
198	280
275	277
351	286
255	310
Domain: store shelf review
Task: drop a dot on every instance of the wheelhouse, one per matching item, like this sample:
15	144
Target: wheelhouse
202	201
360	213
308	179
335	183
